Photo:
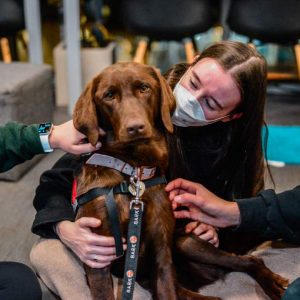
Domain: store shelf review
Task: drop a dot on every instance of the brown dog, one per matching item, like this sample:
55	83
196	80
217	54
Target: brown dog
133	104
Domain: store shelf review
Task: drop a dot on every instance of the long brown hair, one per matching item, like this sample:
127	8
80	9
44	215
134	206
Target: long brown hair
241	154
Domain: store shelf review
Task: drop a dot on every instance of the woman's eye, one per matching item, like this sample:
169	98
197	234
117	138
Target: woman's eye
144	88
209	104
193	85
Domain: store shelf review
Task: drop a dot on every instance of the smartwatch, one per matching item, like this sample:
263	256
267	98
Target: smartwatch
44	132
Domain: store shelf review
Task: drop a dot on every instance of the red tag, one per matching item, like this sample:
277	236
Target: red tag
74	192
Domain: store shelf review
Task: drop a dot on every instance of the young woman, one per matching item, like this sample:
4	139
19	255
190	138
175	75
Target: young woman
219	116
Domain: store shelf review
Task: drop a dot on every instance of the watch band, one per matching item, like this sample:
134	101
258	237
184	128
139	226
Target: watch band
45	130
45	143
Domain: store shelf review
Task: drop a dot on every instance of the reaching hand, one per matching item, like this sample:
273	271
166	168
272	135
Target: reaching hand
94	250
201	205
69	139
204	232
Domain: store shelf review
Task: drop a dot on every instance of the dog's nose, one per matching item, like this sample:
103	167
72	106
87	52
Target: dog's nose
136	127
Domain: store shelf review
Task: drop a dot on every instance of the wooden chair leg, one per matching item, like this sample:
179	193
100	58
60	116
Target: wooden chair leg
141	50
297	55
285	76
252	45
5	50
189	50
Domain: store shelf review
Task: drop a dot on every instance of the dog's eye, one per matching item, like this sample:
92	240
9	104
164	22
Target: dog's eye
109	95
144	88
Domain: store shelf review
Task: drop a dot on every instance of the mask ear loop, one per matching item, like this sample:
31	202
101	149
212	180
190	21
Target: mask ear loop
220	118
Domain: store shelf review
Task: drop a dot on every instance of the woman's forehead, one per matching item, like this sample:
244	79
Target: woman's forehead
215	81
207	65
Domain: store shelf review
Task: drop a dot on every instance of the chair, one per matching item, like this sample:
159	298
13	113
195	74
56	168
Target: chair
11	22
174	20
276	21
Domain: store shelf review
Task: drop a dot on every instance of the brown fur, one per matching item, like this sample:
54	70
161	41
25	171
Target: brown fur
133	103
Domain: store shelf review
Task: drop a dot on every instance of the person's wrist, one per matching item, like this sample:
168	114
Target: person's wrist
233	214
53	138
59	227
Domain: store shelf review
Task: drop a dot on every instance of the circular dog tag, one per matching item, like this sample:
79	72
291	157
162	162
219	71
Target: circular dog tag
141	187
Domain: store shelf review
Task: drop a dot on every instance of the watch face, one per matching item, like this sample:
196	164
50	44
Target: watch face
45	128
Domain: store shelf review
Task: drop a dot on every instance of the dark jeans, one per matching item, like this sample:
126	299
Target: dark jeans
18	282
293	291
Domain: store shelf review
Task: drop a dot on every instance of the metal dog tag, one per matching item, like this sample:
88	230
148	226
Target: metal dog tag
141	186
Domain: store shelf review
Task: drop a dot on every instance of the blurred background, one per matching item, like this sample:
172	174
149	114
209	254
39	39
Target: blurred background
50	49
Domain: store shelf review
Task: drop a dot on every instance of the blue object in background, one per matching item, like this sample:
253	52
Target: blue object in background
293	291
283	144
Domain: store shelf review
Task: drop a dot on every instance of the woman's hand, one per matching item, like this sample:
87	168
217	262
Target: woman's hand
92	249
204	232
69	139
201	205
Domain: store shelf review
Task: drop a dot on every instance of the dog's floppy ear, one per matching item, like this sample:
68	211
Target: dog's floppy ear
167	101
85	114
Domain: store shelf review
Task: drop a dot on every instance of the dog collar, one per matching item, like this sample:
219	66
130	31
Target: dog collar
119	165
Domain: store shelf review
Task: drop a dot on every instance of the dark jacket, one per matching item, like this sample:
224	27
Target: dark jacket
272	215
52	200
18	142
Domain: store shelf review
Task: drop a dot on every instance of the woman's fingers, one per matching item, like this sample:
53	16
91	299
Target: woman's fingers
187	199
88	222
192	226
181	184
207	236
182	214
102	250
95	264
102	258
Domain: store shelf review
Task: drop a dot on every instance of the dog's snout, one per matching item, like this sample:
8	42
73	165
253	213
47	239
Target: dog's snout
135	127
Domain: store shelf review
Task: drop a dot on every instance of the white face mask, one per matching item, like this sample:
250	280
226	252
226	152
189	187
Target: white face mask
188	110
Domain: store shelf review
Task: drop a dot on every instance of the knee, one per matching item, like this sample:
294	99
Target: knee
38	256
49	256
46	254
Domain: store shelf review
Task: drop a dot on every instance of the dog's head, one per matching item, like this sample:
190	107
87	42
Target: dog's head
132	100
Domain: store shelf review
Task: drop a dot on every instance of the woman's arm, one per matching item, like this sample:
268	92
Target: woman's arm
18	142
272	215
201	204
269	214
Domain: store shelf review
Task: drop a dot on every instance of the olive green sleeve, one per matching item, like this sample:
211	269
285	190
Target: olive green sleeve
18	142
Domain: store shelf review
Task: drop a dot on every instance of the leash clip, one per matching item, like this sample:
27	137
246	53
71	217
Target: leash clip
136	202
137	188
